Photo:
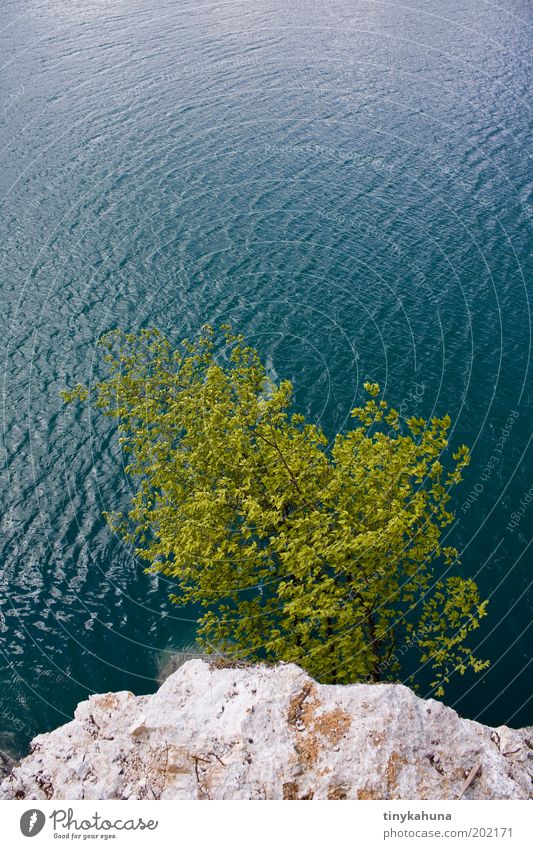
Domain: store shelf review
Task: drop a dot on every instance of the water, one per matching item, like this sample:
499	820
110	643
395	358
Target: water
348	184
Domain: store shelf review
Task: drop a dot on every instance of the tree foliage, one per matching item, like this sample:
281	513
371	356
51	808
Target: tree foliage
327	555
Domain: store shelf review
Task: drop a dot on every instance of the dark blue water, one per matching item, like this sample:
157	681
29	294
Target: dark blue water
348	183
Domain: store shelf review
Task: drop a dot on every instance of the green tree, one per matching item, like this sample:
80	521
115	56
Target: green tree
329	556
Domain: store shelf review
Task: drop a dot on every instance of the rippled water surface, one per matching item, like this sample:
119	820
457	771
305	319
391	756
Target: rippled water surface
348	184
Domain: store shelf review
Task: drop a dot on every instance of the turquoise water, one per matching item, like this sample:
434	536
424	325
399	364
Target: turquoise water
348	184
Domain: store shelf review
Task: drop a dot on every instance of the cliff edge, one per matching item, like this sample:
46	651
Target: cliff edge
255	732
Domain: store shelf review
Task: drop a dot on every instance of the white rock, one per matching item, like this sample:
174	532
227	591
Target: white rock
271	733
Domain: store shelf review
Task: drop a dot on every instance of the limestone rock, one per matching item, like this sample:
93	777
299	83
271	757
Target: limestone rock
6	764
255	732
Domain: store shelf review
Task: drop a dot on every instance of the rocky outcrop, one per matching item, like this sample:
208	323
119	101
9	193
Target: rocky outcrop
271	733
6	764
